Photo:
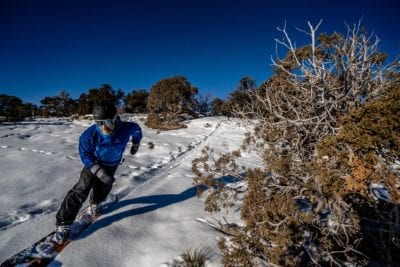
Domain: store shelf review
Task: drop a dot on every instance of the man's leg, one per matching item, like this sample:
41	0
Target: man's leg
100	189
74	199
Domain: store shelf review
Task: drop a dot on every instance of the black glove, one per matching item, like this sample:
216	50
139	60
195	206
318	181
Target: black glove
102	175
134	148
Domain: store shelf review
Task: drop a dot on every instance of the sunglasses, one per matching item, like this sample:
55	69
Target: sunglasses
107	123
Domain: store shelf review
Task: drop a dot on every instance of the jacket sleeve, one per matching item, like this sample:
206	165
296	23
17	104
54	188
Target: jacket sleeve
86	150
136	134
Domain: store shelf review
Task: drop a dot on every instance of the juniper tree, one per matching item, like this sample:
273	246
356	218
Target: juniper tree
168	99
103	93
294	214
136	101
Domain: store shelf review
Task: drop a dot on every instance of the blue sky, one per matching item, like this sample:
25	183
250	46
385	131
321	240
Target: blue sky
49	46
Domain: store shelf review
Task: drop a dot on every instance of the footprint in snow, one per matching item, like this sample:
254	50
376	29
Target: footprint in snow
7	135
32	150
167	159
154	166
23	136
26	212
133	167
42	152
38	208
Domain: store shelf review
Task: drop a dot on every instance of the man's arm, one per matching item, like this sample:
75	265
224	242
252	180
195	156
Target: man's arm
136	137
86	150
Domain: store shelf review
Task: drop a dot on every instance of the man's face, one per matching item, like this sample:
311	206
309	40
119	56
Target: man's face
106	126
106	129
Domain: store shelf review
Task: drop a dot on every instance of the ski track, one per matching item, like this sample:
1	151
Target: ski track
166	164
30	211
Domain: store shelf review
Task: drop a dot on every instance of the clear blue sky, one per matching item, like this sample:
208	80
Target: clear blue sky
49	46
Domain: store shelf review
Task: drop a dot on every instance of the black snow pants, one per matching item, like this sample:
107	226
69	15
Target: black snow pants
75	198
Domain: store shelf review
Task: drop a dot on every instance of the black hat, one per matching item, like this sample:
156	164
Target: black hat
104	111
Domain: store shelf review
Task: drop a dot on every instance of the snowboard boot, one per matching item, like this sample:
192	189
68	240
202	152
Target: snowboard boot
95	209
62	234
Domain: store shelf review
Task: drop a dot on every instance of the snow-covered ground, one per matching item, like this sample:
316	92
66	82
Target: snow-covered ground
155	219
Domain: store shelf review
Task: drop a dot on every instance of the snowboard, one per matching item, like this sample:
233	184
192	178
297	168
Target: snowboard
43	251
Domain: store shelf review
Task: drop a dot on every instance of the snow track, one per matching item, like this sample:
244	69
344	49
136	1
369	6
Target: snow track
168	163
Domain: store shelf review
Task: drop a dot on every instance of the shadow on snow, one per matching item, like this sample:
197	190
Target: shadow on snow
154	202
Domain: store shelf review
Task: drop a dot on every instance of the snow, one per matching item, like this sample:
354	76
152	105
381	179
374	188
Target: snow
158	215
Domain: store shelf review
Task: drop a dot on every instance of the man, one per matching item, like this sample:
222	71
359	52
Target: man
100	147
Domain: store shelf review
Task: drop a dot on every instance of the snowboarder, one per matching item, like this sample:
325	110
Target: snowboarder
100	147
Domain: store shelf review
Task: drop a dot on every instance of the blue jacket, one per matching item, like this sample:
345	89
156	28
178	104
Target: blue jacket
97	148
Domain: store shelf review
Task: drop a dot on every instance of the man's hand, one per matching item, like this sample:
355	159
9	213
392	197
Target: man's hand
102	175
134	148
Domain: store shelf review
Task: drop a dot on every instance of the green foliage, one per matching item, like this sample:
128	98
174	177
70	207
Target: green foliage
171	95
197	257
12	109
202	104
168	99
240	99
206	167
237	100
359	155
61	105
104	93
327	127
366	135
136	101
164	121
217	106
246	84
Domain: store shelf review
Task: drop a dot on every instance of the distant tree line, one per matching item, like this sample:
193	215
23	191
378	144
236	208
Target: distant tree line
166	101
13	109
